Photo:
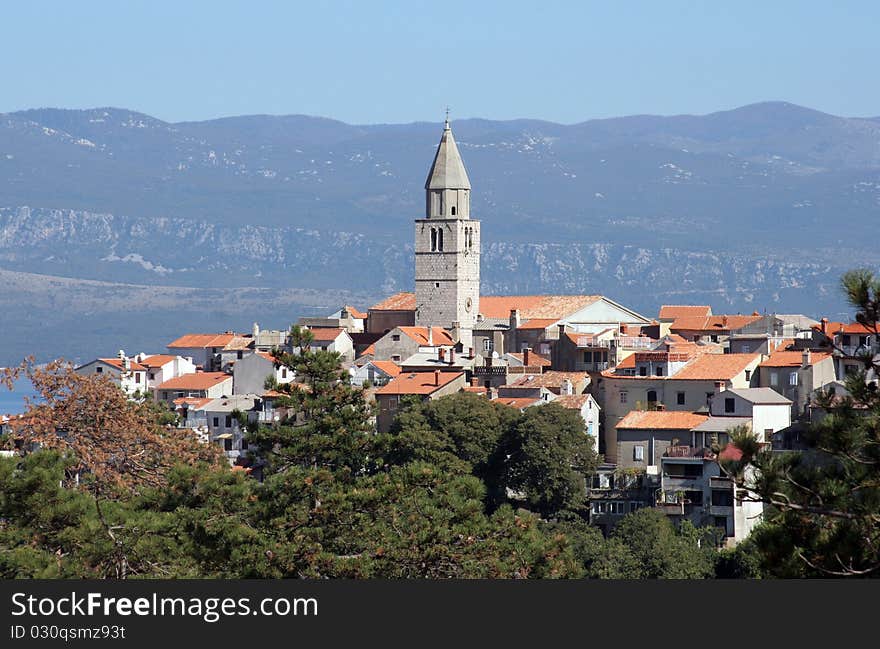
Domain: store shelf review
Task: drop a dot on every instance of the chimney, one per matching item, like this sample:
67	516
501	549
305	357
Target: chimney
724	321
475	382
256	330
514	319
719	387
452	356
430	336
806	358
526	358
824	325
437	378
441	354
561	327
566	388
660	407
470	352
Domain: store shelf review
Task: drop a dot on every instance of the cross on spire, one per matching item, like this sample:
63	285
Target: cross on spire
447	117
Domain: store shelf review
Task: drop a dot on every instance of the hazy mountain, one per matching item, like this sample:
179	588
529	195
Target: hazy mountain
758	207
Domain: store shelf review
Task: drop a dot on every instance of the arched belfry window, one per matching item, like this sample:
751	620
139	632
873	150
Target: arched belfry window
433	239
440	239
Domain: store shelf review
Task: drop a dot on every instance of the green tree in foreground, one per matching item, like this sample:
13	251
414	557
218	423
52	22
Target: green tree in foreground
824	515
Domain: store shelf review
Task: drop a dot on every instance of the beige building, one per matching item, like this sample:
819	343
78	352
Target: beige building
686	388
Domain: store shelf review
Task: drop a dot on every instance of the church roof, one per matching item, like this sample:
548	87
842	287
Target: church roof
447	171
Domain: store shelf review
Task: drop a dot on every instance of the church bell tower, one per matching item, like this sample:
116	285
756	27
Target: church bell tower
447	247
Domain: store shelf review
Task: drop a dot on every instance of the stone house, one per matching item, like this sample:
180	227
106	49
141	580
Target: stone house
797	375
250	373
125	372
402	342
199	385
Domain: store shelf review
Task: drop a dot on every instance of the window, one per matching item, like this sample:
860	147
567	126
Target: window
643	371
652	396
746	349
216	422
865	340
722	498
851	369
729	404
847	341
748	375
792	378
623	396
238	354
433	239
452	210
137	377
228	421
99	370
639	453
674	470
488	345
679	398
283	372
588	358
616	507
440	239
227	444
635	504
395	358
152	375
721	521
659	371
774	379
436	284
244	444
395	337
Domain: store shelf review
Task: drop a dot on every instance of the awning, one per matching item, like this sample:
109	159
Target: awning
224	436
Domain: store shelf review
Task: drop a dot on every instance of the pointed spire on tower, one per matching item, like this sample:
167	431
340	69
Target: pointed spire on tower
447	171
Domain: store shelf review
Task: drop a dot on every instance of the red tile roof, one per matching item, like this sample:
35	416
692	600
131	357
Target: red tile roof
118	364
712	324
197	381
573	401
715	367
157	360
389	367
325	334
675	311
202	340
660	420
534	359
355	313
517	402
418	383
420	335
534	306
793	358
193	402
550	379
538	323
397	302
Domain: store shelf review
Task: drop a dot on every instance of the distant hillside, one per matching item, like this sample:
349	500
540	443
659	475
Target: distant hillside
762	206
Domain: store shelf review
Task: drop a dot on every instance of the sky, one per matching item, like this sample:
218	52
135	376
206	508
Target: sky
392	62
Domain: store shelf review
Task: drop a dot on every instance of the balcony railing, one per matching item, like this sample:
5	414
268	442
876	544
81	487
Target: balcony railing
687	451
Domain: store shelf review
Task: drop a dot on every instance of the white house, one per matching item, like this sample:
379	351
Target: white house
129	375
333	339
588	409
162	367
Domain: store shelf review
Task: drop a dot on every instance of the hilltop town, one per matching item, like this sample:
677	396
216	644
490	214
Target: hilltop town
659	394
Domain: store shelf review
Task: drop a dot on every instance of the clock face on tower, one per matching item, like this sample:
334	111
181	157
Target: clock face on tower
467	305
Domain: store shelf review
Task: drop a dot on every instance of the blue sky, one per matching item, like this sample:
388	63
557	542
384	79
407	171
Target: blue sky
373	61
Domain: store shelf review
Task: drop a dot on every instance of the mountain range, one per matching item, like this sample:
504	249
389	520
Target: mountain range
120	230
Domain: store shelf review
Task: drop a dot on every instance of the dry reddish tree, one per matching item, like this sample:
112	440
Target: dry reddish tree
116	445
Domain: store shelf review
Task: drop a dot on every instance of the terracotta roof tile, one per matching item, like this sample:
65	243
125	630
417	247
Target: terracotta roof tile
197	381
535	360
157	360
793	358
389	367
675	311
418	383
420	335
660	420
325	334
202	340
573	401
534	306
538	323
193	402
712	324
355	313
118	364
517	402
550	379
715	367
397	302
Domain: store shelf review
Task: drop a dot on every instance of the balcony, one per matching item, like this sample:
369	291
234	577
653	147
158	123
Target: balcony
693	452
